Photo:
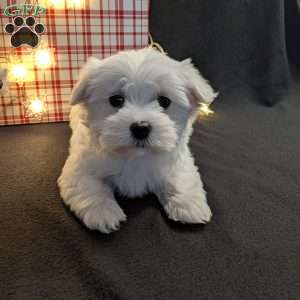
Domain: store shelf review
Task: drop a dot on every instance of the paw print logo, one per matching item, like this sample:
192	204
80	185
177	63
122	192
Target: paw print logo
24	31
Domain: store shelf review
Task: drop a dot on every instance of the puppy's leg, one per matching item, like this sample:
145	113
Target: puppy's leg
184	198
92	201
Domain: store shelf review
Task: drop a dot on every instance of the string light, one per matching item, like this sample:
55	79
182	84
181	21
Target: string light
44	58
36	107
205	110
20	68
155	45
57	3
19	72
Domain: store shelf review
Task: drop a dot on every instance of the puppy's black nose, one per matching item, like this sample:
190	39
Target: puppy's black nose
140	130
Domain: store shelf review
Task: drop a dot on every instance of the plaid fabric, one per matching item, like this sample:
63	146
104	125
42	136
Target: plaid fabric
99	28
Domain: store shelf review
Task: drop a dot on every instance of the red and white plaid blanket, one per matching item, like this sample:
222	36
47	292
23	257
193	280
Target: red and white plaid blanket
99	28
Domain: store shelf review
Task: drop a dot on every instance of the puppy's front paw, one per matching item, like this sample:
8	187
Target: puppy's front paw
193	211
106	217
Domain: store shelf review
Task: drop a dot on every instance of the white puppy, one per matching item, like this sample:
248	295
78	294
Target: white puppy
131	120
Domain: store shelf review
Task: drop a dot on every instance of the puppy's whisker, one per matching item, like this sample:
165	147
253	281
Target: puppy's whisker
148	142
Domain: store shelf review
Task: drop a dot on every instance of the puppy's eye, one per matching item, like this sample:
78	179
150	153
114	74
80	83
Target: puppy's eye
116	100
164	102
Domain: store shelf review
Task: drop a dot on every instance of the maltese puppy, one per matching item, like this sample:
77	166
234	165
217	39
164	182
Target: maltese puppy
131	119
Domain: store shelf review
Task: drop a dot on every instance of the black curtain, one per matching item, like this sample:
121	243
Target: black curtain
250	45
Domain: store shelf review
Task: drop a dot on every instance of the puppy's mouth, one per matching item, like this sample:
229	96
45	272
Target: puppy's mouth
124	143
145	144
137	148
141	144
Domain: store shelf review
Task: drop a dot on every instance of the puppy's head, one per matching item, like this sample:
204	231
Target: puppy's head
141	99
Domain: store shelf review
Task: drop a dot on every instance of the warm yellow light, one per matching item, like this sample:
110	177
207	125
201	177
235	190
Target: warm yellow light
57	3
44	58
36	106
76	3
205	110
19	72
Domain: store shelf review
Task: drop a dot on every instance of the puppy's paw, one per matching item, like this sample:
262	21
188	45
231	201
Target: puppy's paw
192	212
106	217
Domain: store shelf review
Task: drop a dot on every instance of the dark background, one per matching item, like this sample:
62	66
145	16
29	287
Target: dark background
248	153
236	44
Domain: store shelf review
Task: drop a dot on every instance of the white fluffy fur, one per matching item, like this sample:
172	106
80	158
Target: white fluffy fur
3	78
104	156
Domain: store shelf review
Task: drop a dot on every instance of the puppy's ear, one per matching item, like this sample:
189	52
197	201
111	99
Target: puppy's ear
80	90
199	90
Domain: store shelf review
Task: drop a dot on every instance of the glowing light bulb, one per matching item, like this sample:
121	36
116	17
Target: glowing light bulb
205	110
19	72
57	3
44	58
36	107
